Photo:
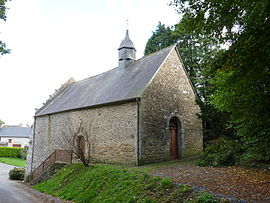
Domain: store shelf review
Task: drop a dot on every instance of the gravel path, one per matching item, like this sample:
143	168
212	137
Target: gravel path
242	184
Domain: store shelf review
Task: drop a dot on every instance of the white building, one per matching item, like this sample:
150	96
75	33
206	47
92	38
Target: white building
14	136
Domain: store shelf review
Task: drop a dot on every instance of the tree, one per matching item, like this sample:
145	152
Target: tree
78	140
242	84
162	37
3	49
240	76
225	20
195	49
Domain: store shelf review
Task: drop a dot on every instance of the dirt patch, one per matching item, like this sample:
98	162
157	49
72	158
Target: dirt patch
251	185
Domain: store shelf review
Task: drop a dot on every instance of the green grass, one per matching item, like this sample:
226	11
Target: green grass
104	183
13	161
183	161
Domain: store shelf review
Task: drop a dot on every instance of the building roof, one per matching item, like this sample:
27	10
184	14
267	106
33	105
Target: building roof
126	43
112	86
15	131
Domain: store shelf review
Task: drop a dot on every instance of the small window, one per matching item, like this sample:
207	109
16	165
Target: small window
9	140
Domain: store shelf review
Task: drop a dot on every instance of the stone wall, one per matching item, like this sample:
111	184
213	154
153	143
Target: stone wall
29	155
112	129
169	94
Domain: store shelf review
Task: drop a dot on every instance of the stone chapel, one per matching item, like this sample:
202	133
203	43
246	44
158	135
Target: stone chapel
142	111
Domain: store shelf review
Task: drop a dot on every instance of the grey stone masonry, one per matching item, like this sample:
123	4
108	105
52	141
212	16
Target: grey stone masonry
112	130
169	94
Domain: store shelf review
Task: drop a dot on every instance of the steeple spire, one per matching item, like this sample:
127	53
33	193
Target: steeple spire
126	52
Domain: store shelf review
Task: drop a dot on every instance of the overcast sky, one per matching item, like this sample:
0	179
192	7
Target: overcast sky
53	40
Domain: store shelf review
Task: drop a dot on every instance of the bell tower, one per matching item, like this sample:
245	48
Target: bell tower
126	52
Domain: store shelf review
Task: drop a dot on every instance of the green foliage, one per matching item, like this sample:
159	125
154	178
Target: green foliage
219	153
103	183
225	21
3	49
194	49
243	88
10	152
17	174
162	37
205	197
166	183
184	188
214	123
3	8
13	161
23	154
238	79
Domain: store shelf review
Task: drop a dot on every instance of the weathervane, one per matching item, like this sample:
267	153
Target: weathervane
127	23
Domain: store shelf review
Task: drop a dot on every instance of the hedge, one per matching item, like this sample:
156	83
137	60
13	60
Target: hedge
10	151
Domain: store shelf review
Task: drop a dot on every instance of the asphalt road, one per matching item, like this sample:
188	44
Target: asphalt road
16	192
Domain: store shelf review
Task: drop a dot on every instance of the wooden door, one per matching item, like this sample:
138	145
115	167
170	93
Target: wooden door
173	142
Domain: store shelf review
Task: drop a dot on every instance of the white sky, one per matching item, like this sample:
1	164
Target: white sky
53	40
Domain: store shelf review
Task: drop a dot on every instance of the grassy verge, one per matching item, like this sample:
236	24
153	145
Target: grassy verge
13	161
149	167
103	183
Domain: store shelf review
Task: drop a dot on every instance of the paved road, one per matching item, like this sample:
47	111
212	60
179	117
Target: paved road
17	192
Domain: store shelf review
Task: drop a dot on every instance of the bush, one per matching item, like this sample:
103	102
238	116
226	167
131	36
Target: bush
17	174
184	188
10	152
166	183
205	197
23	153
219	153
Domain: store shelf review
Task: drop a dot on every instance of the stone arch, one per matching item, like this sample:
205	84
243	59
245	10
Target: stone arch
175	138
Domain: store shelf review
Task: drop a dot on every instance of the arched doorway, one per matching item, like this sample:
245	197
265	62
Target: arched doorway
174	138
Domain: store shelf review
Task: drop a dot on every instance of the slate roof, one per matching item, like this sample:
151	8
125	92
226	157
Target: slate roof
126	43
19	132
115	85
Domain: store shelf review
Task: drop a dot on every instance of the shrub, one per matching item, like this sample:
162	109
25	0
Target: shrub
23	153
166	183
184	188
219	153
17	174
10	152
205	197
